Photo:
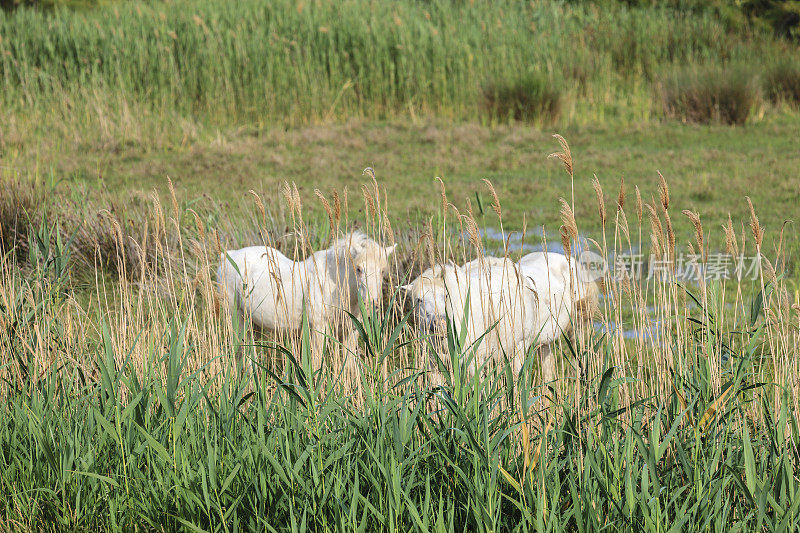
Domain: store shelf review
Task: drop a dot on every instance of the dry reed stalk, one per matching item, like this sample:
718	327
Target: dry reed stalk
443	194
731	246
260	206
568	220
337	207
638	204
327	206
565	240
174	199
657	231
495	198
755	226
694	218
565	156
601	205
663	191
621	195
474	234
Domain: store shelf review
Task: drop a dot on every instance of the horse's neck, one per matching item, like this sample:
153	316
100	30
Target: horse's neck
329	271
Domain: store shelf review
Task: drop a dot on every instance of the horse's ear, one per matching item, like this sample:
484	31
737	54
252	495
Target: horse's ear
390	249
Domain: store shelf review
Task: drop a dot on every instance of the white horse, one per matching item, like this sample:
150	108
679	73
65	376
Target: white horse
497	302
263	285
565	292
532	303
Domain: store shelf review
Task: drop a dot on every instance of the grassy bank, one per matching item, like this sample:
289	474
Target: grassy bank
711	169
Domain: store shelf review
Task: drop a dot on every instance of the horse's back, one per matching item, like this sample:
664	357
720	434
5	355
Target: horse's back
250	277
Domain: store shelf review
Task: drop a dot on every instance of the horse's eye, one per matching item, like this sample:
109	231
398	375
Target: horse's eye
359	271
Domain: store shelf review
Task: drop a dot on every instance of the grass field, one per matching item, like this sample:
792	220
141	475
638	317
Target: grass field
138	140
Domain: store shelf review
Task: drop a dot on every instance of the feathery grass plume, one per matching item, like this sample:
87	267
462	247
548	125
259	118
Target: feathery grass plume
458	218
388	231
565	156
327	206
601	204
769	270
158	213
174	198
565	240
444	194
469	209
698	230
286	190
621	195
657	230
785	304
495	199
474	234
337	206
731	245
568	219
375	185
431	249
260	206
201	229
670	234
217	242
297	202
455	209
369	202
524	230
755	226
623	224
638	204
663	191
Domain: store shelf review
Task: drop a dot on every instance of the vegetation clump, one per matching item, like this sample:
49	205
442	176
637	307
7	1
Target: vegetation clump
782	81
705	94
532	97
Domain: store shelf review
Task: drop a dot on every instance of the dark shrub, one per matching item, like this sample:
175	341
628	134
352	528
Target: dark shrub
782	81
705	94
532	97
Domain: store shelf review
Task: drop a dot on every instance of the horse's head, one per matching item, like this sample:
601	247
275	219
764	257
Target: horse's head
370	263
429	295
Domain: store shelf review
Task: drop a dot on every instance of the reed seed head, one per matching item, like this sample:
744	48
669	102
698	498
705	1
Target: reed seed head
731	246
327	206
337	206
443	193
495	199
565	240
663	191
694	218
568	219
174	198
565	156
601	205
260	206
755	226
638	204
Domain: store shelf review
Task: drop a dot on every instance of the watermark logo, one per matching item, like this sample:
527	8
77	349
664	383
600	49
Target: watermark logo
684	267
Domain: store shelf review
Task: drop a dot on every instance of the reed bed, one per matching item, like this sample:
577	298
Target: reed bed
157	73
125	405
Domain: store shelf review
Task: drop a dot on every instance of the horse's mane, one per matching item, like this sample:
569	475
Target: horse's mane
355	241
